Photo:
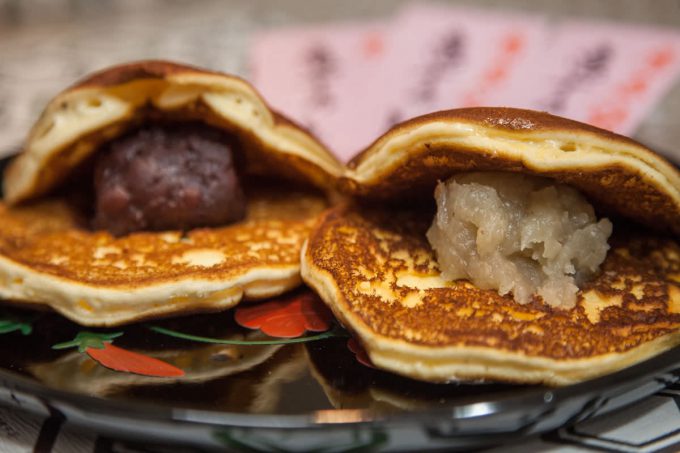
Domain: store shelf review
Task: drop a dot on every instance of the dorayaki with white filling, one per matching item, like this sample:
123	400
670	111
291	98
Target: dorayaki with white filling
504	245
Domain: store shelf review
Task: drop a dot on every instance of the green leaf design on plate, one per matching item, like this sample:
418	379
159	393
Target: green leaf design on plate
86	340
8	325
337	332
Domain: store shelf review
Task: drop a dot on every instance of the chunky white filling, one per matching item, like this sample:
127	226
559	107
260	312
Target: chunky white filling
519	234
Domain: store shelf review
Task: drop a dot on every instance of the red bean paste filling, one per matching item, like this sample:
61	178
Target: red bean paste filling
167	177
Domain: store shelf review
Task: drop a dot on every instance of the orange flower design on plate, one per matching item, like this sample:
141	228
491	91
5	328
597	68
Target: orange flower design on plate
289	317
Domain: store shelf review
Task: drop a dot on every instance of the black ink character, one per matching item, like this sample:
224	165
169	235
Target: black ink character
321	67
393	117
591	64
446	56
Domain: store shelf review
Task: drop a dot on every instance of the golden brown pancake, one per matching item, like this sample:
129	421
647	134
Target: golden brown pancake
49	257
106	104
609	169
374	267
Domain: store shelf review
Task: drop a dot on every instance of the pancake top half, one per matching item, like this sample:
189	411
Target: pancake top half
471	249
153	189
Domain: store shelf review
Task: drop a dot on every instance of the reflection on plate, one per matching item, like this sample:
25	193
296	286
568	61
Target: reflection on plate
351	385
258	397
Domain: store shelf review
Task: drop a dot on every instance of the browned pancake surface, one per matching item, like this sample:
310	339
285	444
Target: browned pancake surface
609	169
46	238
108	103
387	278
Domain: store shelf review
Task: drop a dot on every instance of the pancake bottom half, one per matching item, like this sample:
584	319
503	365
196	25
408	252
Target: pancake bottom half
48	258
377	272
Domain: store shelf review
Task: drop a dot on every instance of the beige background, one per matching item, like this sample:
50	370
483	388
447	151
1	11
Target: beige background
46	44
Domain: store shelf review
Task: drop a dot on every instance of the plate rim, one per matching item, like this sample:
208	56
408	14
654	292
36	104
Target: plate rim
544	397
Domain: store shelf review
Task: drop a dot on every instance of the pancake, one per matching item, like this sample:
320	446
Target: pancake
371	262
609	169
50	257
104	105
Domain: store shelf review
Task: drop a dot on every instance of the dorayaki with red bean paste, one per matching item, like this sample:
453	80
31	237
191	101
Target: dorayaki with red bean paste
154	189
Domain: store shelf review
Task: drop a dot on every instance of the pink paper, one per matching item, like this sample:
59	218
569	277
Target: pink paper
325	78
449	57
603	74
350	82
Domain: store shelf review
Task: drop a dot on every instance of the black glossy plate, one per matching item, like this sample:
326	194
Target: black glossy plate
312	396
